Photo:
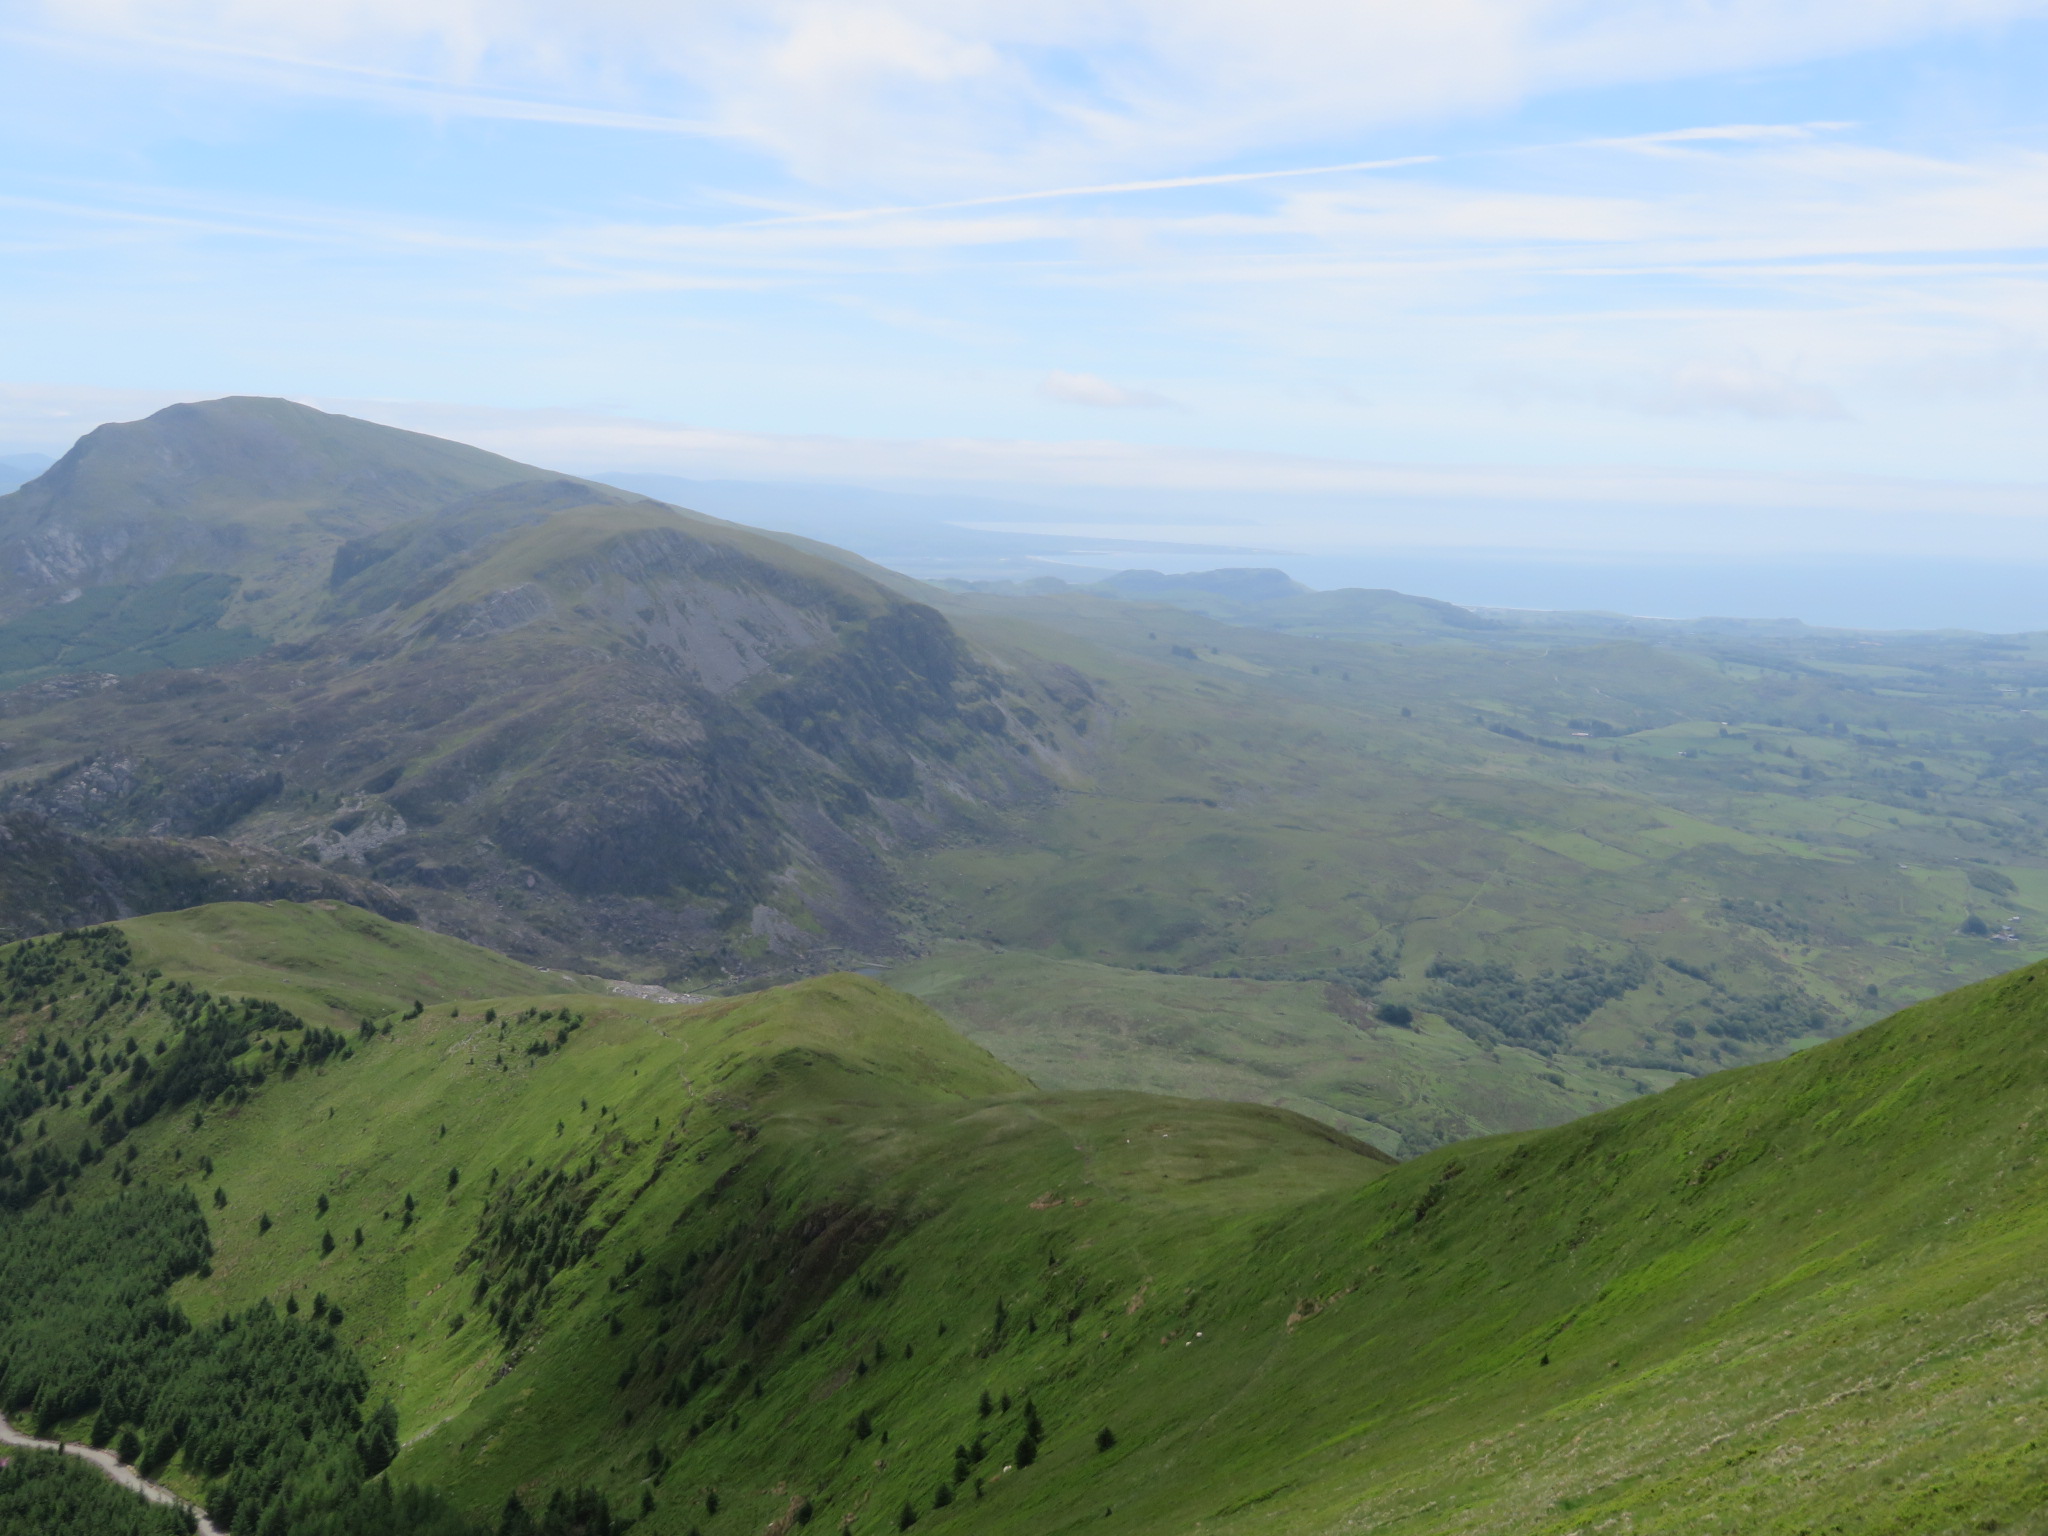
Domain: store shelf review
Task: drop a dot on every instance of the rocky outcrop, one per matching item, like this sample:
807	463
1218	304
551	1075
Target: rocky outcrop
51	879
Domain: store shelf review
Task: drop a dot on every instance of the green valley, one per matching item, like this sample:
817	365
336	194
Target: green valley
1414	870
1585	867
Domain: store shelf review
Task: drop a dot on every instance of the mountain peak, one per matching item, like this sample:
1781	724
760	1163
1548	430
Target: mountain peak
259	449
246	486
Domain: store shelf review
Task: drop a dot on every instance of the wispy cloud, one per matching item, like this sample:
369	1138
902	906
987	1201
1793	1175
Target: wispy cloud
315	76
1762	394
1315	226
1105	189
1098	393
925	93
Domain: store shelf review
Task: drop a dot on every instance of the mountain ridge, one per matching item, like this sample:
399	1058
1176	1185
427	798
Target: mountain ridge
807	1250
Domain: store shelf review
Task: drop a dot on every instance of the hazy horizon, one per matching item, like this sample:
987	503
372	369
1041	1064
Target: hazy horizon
997	533
1637	305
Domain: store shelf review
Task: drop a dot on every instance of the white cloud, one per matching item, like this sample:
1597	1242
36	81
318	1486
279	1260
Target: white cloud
1706	389
588	440
1089	389
996	95
998	183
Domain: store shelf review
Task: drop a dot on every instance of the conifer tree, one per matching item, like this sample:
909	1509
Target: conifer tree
377	1445
513	1520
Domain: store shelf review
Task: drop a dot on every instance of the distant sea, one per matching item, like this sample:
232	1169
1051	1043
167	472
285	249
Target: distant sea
980	538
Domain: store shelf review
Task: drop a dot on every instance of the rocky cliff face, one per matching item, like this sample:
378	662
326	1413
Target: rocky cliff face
581	727
52	879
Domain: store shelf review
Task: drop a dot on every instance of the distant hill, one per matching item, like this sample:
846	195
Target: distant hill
807	1259
253	488
19	468
560	718
1272	600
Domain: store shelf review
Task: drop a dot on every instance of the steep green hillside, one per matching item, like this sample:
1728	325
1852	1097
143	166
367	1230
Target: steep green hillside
804	1257
611	1170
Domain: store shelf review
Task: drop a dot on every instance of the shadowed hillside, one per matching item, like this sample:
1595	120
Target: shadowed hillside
51	879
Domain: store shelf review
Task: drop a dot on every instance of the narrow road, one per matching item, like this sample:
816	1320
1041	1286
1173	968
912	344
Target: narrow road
118	1470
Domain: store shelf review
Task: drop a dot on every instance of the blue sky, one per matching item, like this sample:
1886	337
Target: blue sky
1663	276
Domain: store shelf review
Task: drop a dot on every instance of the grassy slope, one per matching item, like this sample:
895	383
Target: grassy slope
850	1146
1291	813
1788	1297
328	962
1301	1045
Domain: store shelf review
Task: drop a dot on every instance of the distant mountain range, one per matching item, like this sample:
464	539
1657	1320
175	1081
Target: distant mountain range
1271	599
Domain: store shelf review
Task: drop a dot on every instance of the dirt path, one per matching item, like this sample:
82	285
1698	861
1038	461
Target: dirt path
655	994
119	1471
